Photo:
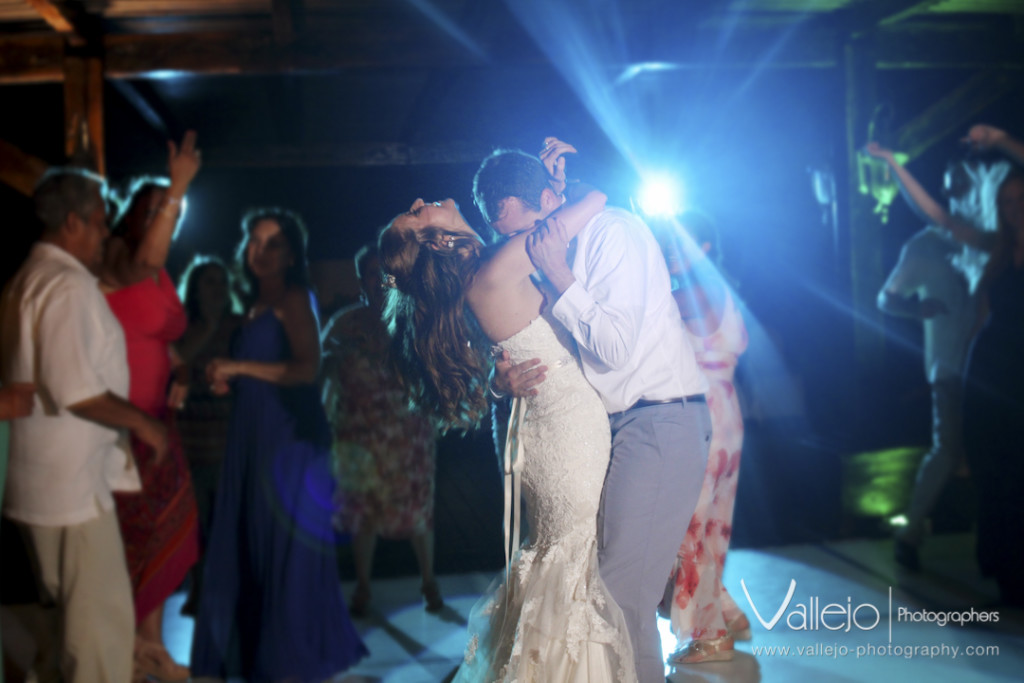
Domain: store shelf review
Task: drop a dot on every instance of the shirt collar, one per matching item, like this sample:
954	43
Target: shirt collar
51	251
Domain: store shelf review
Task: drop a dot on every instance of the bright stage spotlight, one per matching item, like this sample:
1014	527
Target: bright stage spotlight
660	196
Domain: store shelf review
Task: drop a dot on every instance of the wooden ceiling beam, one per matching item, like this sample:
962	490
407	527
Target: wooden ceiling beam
248	53
340	155
979	44
953	112
70	20
39	58
864	17
36	58
20	170
84	136
899	14
57	16
287	18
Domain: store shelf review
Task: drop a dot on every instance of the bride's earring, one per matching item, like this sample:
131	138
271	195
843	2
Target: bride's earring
443	242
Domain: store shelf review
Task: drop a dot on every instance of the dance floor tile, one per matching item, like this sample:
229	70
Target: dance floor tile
408	645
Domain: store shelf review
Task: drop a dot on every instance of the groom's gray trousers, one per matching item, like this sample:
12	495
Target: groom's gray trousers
659	453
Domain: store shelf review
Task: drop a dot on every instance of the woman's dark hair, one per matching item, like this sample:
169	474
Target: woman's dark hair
1007	239
437	346
294	231
188	287
138	189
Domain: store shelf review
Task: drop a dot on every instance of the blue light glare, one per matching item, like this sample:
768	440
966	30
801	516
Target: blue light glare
432	12
661	195
669	642
634	70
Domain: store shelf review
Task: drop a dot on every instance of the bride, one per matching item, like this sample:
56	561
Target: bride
550	618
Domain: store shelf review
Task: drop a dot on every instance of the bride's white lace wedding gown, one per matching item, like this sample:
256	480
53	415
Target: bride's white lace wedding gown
554	621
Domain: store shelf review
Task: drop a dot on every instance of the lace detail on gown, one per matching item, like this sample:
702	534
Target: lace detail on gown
554	621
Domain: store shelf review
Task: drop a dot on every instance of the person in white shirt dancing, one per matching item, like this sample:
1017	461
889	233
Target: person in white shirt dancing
934	282
67	457
616	301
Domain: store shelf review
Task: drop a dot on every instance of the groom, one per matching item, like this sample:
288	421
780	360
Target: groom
614	296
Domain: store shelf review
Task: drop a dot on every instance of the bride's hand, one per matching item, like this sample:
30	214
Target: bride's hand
553	158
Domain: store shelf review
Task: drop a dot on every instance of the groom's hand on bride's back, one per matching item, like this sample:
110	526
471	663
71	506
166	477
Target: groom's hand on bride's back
517	379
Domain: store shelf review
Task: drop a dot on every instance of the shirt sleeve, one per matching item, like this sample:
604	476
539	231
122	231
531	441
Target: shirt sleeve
70	338
605	314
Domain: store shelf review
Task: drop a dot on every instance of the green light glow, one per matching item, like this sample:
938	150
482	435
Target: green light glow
879	483
876	178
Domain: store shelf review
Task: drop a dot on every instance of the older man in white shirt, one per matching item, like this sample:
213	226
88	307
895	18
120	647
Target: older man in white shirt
616	301
67	457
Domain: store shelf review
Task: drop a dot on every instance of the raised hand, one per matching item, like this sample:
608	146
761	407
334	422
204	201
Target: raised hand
983	136
183	163
877	151
553	158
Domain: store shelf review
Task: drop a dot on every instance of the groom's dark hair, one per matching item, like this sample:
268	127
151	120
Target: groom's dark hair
508	173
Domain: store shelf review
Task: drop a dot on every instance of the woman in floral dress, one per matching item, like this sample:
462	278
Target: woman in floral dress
705	618
383	448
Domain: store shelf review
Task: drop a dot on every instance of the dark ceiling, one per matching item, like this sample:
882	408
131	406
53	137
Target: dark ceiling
350	109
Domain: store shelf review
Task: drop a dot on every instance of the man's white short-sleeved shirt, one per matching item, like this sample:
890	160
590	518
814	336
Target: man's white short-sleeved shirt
926	269
621	312
59	332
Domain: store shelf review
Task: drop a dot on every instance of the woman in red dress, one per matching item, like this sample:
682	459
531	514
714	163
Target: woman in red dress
158	524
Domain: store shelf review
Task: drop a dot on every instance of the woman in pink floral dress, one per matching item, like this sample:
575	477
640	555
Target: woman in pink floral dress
384	450
705	618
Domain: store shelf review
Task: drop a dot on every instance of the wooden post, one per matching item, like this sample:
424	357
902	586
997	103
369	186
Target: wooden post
83	111
866	273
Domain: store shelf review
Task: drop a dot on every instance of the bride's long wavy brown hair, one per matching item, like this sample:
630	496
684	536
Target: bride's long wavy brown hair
436	344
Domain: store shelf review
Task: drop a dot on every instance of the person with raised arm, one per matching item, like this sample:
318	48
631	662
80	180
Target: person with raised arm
927	285
984	137
160	524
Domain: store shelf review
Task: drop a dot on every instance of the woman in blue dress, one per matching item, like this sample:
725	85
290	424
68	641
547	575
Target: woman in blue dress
271	607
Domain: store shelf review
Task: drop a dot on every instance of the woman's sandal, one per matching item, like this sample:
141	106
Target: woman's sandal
359	605
739	628
697	651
